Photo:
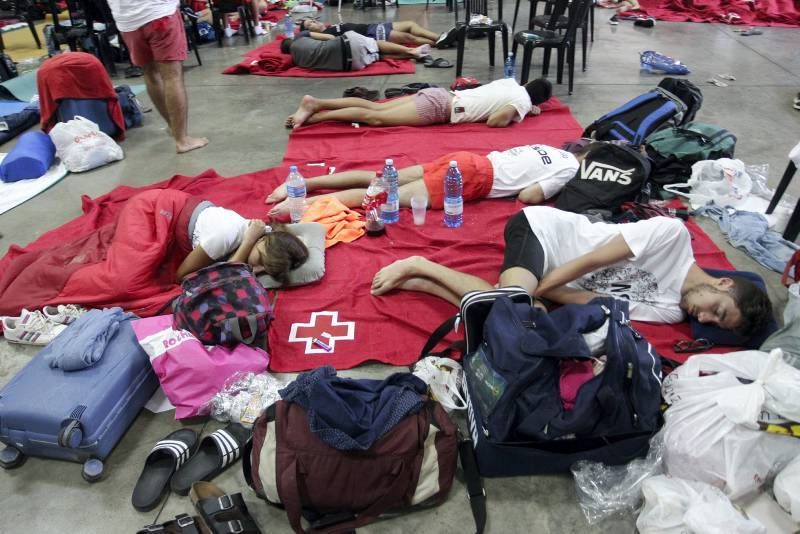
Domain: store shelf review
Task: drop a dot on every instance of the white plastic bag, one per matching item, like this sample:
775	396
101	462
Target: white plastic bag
787	488
82	146
676	506
712	431
724	180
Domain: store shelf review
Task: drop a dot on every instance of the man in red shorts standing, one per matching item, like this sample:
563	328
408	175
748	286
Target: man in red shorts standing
154	33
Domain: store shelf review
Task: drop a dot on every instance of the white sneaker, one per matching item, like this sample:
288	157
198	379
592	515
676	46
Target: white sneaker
443	376
30	328
63	313
229	32
259	30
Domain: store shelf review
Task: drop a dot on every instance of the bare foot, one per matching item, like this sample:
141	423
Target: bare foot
393	275
279	211
421	51
190	143
307	108
277	195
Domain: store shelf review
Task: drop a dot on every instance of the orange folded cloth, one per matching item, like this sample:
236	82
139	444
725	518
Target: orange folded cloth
342	225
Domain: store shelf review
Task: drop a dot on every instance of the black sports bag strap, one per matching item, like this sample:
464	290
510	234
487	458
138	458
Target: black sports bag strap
438	335
475	491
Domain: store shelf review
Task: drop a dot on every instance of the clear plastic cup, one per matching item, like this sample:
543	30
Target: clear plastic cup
418	207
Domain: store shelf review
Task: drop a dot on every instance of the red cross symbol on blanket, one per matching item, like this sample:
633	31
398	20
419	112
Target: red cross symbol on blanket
324	326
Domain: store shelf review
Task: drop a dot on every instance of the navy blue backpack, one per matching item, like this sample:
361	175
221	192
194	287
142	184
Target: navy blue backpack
673	103
517	422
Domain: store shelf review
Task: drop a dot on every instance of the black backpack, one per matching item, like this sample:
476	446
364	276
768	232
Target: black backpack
673	151
673	103
609	175
517	423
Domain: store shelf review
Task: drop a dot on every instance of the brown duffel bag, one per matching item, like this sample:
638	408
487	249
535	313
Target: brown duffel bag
412	465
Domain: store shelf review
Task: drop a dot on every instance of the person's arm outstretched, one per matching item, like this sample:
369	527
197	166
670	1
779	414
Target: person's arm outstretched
612	252
502	117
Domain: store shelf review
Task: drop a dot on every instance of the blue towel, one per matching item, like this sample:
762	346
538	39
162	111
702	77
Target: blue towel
30	158
83	342
352	414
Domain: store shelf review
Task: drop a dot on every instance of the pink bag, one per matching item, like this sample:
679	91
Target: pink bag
190	372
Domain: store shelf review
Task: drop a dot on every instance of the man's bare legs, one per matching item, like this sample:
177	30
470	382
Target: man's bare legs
420	274
346	180
398	112
164	80
414	29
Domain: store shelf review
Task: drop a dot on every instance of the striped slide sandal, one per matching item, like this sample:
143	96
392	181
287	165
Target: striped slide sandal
217	451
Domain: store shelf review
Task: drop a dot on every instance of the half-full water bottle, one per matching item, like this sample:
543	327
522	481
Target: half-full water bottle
288	27
392	211
296	194
376	194
380	33
508	69
453	201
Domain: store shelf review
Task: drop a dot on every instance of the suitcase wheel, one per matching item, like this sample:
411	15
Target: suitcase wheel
92	470
11	457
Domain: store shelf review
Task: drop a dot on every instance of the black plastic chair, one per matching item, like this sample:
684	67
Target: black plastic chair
192	33
20	10
564	43
82	16
220	8
560	24
793	227
548	8
479	7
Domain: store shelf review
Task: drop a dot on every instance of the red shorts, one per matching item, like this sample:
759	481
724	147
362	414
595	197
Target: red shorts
477	175
162	39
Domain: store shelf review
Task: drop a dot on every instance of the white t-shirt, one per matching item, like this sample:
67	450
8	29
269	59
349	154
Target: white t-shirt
219	231
522	166
130	15
651	280
475	105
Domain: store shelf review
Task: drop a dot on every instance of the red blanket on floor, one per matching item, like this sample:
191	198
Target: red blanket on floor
268	60
391	328
781	13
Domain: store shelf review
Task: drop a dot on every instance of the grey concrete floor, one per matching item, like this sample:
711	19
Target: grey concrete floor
243	117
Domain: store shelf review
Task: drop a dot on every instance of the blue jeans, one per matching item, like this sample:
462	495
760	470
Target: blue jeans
750	231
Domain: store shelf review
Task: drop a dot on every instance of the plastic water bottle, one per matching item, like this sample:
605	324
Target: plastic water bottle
453	200
376	194
296	194
288	27
508	69
380	32
392	213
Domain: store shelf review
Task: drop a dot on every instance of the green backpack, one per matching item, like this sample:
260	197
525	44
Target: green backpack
673	151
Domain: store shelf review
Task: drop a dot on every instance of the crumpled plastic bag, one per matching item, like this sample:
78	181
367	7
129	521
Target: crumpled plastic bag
712	431
724	180
787	488
676	506
606	490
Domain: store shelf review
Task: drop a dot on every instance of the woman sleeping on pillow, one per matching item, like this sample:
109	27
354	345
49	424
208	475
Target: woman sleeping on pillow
138	261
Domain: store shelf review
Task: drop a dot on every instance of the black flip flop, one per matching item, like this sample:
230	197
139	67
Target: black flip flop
217	451
438	63
164	460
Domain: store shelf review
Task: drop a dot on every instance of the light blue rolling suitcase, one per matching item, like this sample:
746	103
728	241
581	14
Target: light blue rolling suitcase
75	415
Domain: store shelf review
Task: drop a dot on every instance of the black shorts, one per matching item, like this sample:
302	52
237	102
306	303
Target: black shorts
523	248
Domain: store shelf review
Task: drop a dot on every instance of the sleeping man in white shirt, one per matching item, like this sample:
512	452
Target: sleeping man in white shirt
532	172
564	257
498	104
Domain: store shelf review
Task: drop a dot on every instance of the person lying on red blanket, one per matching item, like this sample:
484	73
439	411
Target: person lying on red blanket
533	172
348	52
565	258
400	32
138	261
499	104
